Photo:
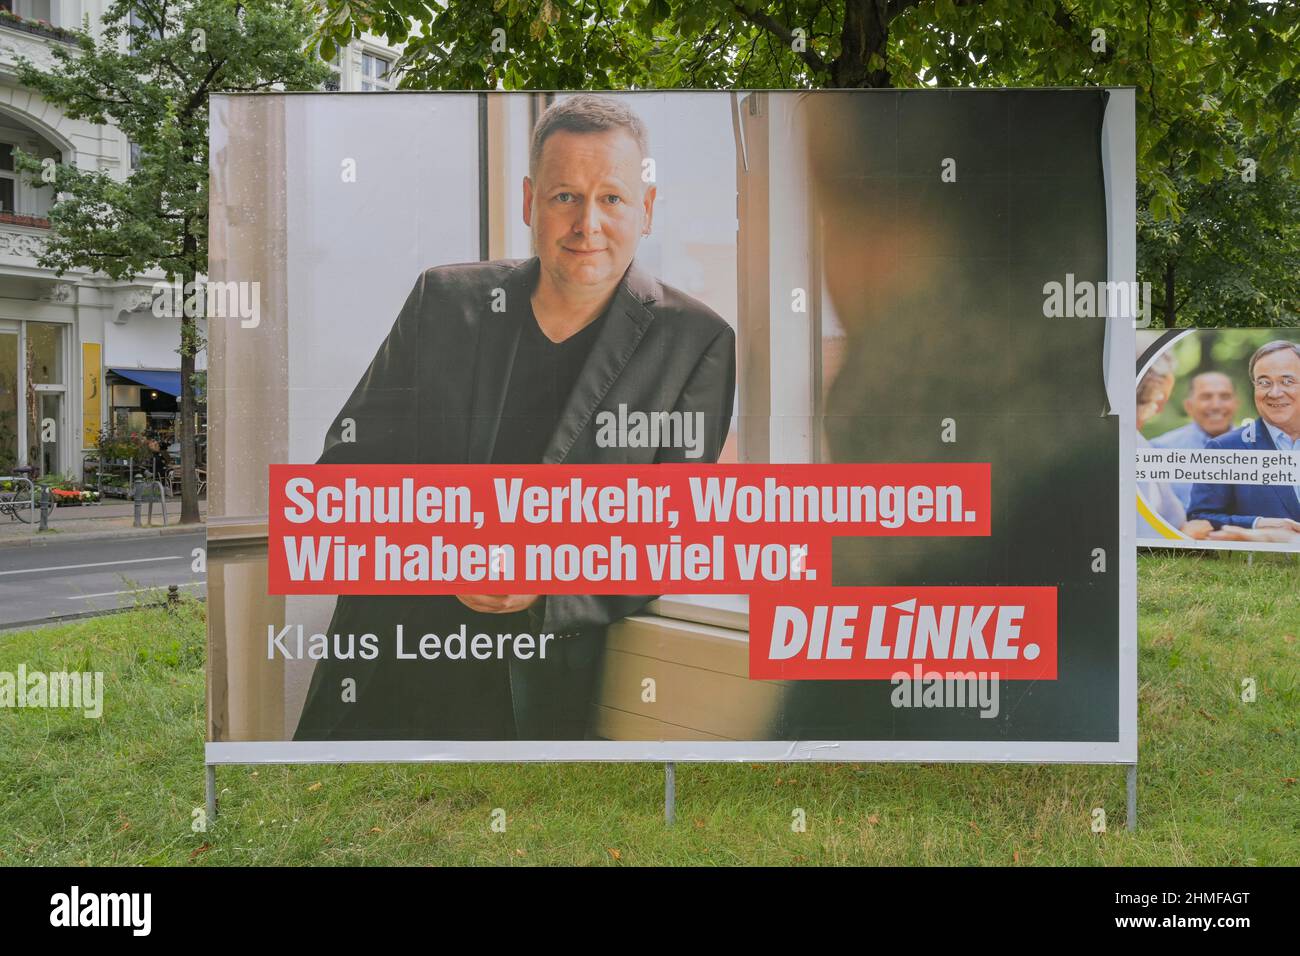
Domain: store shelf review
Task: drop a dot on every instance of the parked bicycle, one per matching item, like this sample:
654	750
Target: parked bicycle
18	497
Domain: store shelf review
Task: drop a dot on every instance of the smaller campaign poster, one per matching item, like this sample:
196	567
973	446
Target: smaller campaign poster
1218	449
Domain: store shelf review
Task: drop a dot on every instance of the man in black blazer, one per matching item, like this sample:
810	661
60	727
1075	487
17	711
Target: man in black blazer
512	362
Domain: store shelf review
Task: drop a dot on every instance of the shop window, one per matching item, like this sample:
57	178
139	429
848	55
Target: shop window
44	354
33	397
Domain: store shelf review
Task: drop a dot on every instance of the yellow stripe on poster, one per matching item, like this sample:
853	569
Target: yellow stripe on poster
1157	522
92	398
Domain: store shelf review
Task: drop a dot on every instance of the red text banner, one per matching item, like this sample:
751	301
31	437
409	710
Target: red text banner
882	633
597	529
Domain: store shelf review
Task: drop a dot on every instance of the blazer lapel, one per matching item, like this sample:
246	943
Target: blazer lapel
495	357
626	323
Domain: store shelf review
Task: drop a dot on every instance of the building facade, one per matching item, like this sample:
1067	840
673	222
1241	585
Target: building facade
81	352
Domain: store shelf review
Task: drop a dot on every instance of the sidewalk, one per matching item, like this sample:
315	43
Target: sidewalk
110	519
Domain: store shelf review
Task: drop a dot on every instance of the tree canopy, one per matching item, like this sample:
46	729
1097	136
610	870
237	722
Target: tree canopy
1218	83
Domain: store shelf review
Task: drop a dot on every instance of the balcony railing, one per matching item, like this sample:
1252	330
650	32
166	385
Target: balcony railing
40	28
19	235
20	219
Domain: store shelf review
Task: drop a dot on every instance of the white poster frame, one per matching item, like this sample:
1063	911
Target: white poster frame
1118	146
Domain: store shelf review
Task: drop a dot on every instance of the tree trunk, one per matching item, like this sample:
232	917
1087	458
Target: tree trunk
865	33
1206	342
185	434
1169	310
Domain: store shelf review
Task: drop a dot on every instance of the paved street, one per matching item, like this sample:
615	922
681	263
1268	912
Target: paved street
63	578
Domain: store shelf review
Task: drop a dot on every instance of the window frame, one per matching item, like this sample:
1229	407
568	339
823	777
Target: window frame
778	250
12	175
376	84
27	388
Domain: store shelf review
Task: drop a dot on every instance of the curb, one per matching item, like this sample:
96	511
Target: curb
83	615
35	541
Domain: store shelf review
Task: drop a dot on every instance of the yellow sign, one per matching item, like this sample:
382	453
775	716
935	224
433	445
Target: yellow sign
92	399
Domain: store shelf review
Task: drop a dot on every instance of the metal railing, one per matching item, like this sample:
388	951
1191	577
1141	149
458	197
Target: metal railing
144	492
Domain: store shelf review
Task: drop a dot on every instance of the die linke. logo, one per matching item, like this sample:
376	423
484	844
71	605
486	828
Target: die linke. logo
879	633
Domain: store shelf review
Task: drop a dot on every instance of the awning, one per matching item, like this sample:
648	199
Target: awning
169	382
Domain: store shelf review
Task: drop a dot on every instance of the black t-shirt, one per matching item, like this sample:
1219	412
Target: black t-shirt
541	378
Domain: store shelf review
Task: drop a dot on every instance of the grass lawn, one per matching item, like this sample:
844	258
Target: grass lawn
1218	782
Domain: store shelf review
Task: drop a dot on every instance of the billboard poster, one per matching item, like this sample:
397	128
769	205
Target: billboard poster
1218	457
672	426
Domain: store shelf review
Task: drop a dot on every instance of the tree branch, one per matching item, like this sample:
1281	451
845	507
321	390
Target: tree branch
760	19
744	70
202	89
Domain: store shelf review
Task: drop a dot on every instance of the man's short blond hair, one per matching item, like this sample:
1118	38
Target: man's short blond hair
585	113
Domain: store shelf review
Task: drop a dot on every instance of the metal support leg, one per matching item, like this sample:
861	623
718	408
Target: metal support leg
212	791
670	793
1132	787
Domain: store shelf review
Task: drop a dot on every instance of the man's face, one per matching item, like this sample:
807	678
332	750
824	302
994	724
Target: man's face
1212	403
1279	404
587	207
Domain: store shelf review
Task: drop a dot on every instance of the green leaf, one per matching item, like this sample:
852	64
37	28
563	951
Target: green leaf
1159	208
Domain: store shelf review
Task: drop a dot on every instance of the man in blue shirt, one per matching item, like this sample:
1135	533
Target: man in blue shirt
1212	405
1275	372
